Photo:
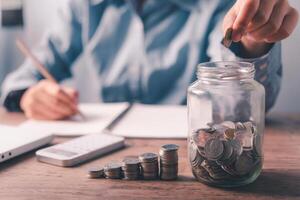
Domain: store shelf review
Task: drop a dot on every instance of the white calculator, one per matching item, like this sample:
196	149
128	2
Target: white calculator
80	149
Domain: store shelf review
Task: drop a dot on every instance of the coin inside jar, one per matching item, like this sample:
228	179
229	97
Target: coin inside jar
228	124
237	146
213	149
229	134
193	152
244	164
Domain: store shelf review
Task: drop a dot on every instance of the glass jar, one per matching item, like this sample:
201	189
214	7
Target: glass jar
226	113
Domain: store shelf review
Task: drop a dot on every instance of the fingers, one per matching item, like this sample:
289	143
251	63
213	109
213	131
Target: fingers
61	96
71	93
262	15
261	21
54	105
229	19
245	13
288	25
274	22
38	110
49	101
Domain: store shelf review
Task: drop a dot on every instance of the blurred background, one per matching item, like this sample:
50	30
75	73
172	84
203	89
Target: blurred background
38	15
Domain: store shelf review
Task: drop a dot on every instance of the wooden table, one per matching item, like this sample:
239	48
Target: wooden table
25	178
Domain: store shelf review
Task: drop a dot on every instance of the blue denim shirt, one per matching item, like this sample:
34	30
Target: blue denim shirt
147	55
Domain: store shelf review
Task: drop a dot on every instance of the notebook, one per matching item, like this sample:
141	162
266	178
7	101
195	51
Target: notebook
97	118
154	121
141	121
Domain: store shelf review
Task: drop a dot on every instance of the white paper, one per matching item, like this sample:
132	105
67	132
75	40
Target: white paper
98	116
154	121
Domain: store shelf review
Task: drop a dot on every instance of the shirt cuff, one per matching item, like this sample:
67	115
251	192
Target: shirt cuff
12	100
233	53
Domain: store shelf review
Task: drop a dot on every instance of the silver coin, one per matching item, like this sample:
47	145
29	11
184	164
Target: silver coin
239	126
227	40
228	150
244	164
113	166
96	172
214	149
193	152
228	124
214	170
170	147
148	157
249	127
237	146
129	160
258	145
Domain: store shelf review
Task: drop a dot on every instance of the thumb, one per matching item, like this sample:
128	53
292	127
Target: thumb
229	19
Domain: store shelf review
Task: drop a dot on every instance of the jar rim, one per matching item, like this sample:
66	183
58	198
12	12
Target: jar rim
225	70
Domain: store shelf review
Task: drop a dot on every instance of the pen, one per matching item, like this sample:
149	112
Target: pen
42	69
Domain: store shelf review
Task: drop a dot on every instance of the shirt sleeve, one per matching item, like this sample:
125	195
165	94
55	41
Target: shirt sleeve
58	49
268	67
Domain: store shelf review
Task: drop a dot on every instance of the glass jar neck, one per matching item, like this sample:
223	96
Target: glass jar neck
225	71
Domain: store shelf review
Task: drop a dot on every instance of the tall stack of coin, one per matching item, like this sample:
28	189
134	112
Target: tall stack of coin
131	168
168	162
113	170
149	166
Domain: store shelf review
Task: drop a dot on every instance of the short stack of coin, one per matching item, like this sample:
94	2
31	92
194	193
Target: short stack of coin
96	172
168	162
113	170
149	166
131	168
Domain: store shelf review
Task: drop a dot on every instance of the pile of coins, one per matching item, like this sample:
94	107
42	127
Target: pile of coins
131	168
149	164
168	162
225	152
96	172
113	170
146	166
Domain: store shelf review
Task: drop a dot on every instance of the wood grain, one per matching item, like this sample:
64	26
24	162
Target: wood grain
25	178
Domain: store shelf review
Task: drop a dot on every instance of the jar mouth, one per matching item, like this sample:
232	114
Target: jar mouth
225	70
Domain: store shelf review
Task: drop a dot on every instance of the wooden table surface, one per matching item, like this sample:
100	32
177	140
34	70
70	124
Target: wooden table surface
25	178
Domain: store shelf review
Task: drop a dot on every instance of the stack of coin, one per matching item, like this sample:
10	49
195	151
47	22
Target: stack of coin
96	172
113	170
131	168
168	162
149	166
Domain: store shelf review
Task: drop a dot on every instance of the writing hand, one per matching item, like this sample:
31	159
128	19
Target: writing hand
49	101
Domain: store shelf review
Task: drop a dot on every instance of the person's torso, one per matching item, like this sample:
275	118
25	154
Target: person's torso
148	55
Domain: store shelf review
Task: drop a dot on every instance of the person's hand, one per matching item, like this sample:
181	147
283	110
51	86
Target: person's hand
49	101
259	23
